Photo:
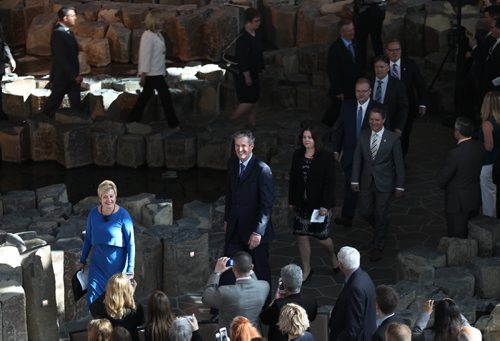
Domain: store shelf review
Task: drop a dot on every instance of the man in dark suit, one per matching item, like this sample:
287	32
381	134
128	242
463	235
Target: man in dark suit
353	119
249	200
291	281
343	70
406	70
377	171
387	302
370	15
65	70
391	92
244	298
459	177
353	316
490	79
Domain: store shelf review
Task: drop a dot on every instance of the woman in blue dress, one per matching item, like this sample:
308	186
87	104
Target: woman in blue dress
110	235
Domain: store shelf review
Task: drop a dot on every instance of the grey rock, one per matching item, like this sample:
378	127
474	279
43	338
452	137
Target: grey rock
15	144
35	243
57	258
10	264
13	223
74	145
43	138
413	265
200	210
13	311
218	214
11	239
18	200
213	151
410	291
84	206
27	235
158	212
133	204
487	272
148	263
180	151
52	194
131	151
486	231
68	243
458	251
104	148
456	282
155	156
69	230
56	211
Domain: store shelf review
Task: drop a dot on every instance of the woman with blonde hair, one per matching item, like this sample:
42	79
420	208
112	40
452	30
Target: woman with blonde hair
490	136
152	52
121	309
99	330
110	236
243	330
293	321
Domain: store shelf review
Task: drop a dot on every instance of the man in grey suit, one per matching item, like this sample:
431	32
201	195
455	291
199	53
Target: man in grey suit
377	171
244	298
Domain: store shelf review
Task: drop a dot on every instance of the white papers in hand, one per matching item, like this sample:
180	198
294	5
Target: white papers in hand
83	278
316	218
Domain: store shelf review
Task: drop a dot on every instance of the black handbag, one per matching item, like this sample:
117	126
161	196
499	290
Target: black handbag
78	285
229	62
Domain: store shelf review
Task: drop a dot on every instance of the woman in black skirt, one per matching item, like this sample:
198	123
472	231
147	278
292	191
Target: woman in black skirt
250	63
312	186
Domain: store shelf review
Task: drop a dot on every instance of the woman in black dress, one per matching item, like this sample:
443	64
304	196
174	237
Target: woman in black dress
250	63
312	186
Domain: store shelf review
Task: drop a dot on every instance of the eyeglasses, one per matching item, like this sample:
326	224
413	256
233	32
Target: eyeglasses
394	50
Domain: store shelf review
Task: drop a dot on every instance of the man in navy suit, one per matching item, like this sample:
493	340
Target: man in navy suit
354	315
249	201
377	171
343	69
65	71
406	70
391	92
353	119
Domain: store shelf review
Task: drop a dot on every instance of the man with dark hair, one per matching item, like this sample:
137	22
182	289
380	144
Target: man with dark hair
353	119
387	302
244	298
377	171
343	69
459	177
65	70
391	92
291	282
406	70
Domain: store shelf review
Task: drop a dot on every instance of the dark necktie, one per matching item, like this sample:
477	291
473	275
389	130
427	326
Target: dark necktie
395	71
351	49
374	147
242	169
378	92
359	121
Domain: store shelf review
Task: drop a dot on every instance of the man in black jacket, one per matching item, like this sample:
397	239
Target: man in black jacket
65	71
387	302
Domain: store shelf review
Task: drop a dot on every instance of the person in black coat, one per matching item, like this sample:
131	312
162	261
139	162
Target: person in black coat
387	302
343	70
312	195
65	70
406	70
5	57
459	177
490	75
291	281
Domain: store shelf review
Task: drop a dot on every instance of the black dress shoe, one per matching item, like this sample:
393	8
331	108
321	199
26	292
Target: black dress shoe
308	278
347	222
376	255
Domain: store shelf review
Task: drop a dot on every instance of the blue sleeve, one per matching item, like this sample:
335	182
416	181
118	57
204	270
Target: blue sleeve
87	243
129	241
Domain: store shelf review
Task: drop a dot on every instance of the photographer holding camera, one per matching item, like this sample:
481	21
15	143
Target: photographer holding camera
287	292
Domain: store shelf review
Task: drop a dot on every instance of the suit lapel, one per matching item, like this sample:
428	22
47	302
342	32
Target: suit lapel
383	145
248	169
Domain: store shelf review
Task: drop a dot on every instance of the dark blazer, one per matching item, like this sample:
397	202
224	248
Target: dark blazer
353	316
249	200
459	176
387	170
320	185
395	102
414	83
270	315
491	70
380	332
342	70
131	321
64	48
345	138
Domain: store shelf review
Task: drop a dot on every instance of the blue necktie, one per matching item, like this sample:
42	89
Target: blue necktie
378	92
395	71
242	169
351	49
359	121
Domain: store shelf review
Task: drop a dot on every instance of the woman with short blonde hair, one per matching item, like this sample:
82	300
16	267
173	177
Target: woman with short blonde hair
294	322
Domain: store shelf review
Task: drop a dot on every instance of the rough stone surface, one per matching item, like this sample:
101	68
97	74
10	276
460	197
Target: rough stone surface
487	272
133	204
212	151
104	148
414	265
131	151
486	231
10	264
155	156
39	286
200	210
119	42
15	145
13	311
74	145
148	264
180	151
18	200
39	33
158	212
43	139
458	251
457	282
52	194
84	206
98	53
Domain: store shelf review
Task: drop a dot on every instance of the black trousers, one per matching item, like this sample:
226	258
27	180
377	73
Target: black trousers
350	197
155	83
405	137
457	224
369	23
58	90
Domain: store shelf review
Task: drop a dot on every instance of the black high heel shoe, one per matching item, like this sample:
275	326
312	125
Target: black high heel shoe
308	278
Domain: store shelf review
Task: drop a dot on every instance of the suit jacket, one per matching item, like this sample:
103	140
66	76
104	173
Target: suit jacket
459	177
270	315
387	170
64	49
491	69
395	102
380	332
414	83
320	185
249	200
345	139
353	316
342	70
244	298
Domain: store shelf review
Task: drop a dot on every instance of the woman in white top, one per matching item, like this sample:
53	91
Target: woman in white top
152	70
5	57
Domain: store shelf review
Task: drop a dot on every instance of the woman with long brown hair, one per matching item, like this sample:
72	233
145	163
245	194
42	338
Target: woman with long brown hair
160	317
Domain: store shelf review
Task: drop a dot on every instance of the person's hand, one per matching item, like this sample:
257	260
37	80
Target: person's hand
78	79
193	322
13	64
220	265
398	132
142	81
427	307
79	266
340	97
254	241
355	188
422	109
248	80
398	193
323	211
